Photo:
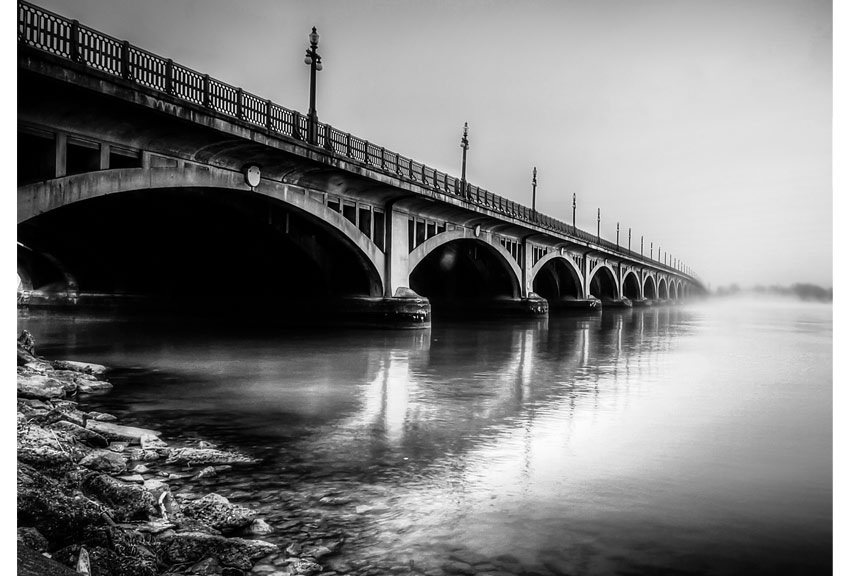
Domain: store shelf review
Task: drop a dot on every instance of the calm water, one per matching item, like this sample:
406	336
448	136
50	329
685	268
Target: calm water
679	440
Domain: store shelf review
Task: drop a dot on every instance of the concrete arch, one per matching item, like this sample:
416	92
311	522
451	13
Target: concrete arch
535	270
635	285
423	250
41	197
649	287
618	293
663	293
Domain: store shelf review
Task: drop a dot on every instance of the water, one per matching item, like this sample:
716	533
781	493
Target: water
678	440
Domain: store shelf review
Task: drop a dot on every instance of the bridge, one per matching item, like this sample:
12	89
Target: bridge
142	180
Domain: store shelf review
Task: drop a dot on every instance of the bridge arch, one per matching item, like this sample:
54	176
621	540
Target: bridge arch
650	290
46	196
456	237
663	294
602	282
549	274
631	286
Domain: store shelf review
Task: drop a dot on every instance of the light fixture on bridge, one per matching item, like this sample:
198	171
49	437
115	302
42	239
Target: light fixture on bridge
252	175
314	61
464	143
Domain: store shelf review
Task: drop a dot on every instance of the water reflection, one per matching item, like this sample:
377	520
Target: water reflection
629	441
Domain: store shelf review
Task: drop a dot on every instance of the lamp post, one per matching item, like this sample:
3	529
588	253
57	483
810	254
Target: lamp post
464	143
598	223
574	212
618	235
630	238
650	250
314	61
641	245
534	190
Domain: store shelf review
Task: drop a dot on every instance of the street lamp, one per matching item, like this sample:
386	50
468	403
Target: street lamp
464	143
598	223
314	61
534	190
574	212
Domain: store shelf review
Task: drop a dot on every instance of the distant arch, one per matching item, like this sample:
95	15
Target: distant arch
602	282
631	286
662	289
649	289
564	262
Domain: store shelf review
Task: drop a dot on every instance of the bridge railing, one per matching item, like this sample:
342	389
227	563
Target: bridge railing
69	39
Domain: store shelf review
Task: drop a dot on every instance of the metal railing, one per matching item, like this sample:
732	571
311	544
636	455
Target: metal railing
69	39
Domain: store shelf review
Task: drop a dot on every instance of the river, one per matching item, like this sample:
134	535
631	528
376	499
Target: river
676	440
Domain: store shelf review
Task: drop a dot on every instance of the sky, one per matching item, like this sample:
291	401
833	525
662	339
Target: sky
704	126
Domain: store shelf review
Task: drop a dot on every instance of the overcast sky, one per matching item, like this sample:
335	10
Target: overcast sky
705	126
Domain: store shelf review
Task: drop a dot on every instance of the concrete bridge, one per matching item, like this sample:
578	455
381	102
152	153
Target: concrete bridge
141	179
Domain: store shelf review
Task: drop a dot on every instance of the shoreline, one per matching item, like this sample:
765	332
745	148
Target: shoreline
95	496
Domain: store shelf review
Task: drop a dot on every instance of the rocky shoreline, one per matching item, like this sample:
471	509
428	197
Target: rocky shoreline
93	495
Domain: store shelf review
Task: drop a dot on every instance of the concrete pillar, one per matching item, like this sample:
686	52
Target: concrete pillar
527	283
104	157
61	155
396	255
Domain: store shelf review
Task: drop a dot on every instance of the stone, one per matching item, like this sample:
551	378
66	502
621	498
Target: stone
91	386
317	552
304	567
117	446
197	456
336	500
205	473
294	549
84	367
161	493
134	478
102	416
40	387
39	366
128	501
40	446
32	538
68	411
151	442
130	434
104	461
206	567
259	527
187	547
217	512
80	434
140	469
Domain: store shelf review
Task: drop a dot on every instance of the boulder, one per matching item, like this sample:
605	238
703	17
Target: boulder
111	431
128	501
80	434
304	567
84	367
68	411
38	366
259	527
196	456
191	547
91	386
151	442
105	461
161	493
40	387
216	511
32	538
102	416
40	446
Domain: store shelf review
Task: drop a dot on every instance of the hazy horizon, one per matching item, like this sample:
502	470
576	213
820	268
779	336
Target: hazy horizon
706	127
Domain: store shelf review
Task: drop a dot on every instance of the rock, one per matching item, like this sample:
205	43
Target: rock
154	526
195	456
117	446
80	434
294	549
259	527
40	446
151	442
102	416
104	461
186	547
39	386
134	478
68	411
205	444
163	497
84	367
90	386
304	567
140	469
336	500
206	567
128	501
111	431
59	512
205	473
317	552
33	539
25	357
39	366
217	512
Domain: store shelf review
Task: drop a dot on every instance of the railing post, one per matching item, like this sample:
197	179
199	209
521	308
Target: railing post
269	115
125	61
169	77
207	90
366	152
348	144
239	95
383	164
76	53
329	145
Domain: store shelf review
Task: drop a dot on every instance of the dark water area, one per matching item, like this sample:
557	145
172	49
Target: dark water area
675	440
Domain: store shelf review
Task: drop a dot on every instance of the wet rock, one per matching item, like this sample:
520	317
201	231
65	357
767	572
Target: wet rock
40	446
38	366
32	538
84	367
216	511
161	493
294	549
140	469
205	473
61	513
259	527
154	526
304	567
102	416
80	434
104	461
316	552
197	456
39	386
336	500
68	411
206	567
189	547
134	478
91	386
151	442
117	446
128	501
129	434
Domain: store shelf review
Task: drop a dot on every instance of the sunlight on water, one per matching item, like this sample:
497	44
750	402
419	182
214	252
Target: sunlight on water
690	439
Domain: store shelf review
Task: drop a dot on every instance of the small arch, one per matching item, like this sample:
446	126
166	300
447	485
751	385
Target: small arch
602	283
631	286
662	289
650	292
557	277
